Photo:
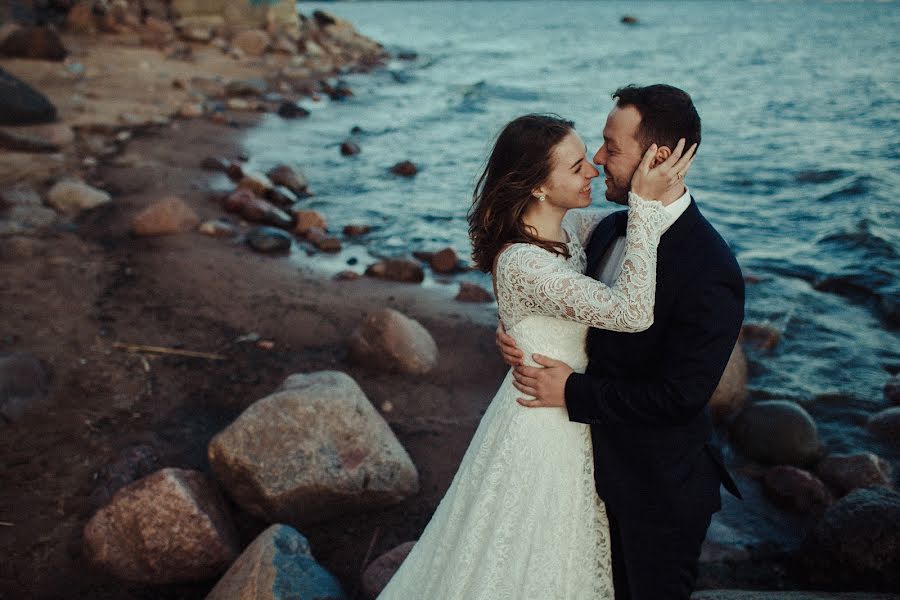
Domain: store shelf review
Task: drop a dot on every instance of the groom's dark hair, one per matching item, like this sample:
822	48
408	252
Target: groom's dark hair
667	114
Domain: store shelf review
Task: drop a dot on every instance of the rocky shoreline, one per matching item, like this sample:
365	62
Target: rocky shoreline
151	347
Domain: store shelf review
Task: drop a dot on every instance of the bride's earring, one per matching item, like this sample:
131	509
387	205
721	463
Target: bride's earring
541	197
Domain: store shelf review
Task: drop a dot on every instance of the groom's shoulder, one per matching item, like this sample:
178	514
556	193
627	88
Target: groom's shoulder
714	248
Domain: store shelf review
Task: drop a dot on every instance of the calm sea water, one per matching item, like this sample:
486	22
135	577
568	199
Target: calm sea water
799	169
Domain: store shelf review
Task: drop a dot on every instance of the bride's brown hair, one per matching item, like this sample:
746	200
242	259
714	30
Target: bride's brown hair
520	162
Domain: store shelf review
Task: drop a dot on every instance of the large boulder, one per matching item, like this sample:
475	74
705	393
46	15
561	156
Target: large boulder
71	197
389	340
846	472
731	393
314	449
23	385
777	432
169	215
20	104
857	542
171	526
379	572
278	565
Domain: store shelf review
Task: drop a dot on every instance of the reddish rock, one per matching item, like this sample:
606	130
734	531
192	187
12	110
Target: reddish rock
762	337
376	576
356	230
168	216
328	244
389	340
444	261
169	527
235	171
731	392
797	490
255	182
313	450
405	169
846	472
308	219
398	269
349	148
469	292
346	276
251	208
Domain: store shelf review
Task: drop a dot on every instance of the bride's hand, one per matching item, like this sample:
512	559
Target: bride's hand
652	184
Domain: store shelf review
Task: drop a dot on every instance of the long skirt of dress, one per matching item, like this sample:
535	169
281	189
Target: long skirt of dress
521	519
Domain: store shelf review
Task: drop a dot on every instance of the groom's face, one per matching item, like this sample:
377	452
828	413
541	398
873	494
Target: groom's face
620	153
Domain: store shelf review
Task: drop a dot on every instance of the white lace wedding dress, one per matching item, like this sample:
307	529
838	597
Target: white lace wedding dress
521	519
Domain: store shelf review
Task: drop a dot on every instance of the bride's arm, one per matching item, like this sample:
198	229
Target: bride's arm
543	285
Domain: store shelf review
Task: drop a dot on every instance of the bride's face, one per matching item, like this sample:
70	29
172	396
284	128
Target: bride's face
569	183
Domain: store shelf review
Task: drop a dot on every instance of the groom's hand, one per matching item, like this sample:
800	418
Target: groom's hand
547	384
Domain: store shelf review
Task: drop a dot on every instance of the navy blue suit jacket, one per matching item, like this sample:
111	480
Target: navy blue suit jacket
645	394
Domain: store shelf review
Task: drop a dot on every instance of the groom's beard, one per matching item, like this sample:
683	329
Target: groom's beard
617	192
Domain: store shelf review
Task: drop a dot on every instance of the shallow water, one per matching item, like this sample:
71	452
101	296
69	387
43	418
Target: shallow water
798	169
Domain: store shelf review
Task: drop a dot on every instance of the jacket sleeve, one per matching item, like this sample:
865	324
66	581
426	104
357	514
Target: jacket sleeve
698	343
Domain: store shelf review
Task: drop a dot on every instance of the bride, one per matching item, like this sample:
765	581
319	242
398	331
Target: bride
521	519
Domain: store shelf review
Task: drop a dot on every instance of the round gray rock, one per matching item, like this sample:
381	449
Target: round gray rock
315	449
389	340
777	432
278	565
71	197
171	526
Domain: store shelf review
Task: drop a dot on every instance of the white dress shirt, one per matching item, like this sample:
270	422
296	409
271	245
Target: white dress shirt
611	263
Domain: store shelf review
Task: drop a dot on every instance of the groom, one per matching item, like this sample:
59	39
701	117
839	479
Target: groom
645	394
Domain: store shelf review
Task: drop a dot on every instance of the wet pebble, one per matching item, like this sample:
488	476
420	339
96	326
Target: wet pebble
469	292
269	240
405	169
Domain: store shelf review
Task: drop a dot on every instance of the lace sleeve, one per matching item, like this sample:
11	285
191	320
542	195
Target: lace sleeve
583	222
531	280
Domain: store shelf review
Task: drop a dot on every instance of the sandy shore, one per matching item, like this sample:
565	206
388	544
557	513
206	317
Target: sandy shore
69	296
71	293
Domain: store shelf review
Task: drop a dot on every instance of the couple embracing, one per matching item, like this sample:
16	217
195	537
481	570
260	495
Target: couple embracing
592	474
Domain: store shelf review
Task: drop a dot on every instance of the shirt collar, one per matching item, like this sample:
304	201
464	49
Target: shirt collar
677	208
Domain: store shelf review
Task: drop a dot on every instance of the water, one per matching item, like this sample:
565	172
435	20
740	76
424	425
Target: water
799	165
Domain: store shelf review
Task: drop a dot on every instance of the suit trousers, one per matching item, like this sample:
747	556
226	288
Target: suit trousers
656	560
